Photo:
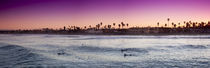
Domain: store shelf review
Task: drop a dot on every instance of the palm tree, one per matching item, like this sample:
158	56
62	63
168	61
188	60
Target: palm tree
69	28
89	26
190	23
74	27
202	24
179	24
97	26
64	28
194	25
127	24
168	21
119	26
101	23
85	27
109	26
122	24
184	23
104	26
158	24
165	25
187	24
172	24
114	24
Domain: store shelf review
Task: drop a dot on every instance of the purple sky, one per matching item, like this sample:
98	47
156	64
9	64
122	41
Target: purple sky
31	14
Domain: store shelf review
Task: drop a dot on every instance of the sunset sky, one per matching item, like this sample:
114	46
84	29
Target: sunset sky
36	14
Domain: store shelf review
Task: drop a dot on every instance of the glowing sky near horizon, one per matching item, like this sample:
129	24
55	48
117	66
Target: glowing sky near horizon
36	14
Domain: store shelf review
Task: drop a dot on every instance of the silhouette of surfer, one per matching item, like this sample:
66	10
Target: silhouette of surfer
61	53
127	55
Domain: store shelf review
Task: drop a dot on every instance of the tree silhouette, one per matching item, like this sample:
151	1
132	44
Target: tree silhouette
158	24
184	23
101	23
109	26
172	24
119	26
202	24
64	28
194	24
89	26
97	26
74	27
114	24
187	24
122	24
105	26
165	25
69	28
85	27
168	19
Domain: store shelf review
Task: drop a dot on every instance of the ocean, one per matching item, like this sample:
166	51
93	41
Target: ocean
104	51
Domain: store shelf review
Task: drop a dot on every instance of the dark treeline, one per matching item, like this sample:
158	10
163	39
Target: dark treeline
187	27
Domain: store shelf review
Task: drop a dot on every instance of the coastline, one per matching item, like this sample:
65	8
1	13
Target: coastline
160	34
131	31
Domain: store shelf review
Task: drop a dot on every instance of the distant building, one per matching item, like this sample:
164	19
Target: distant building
143	30
208	25
94	31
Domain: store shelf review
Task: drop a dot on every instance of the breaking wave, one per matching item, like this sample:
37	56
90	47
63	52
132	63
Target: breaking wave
190	47
12	55
107	49
141	37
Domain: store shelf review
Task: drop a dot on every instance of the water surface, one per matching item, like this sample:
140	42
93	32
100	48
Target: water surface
89	51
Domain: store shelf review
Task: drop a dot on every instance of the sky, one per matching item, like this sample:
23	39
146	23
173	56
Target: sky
37	14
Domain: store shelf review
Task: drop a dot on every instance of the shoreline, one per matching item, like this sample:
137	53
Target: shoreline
130	31
112	34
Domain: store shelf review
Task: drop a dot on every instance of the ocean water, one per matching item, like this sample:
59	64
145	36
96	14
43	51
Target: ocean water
104	51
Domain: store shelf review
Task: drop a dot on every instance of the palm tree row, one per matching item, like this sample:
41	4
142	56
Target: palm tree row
122	25
101	26
98	26
188	24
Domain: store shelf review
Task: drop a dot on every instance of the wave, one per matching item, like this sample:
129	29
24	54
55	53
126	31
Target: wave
142	37
106	49
190	46
66	36
116	51
14	55
195	46
93	49
142	50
